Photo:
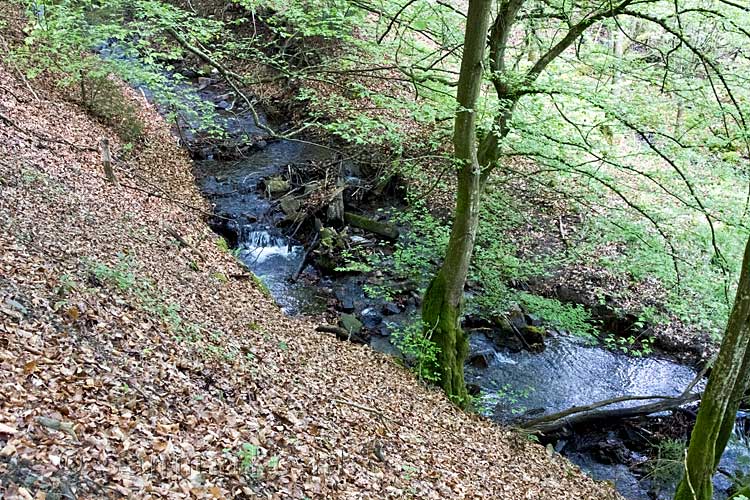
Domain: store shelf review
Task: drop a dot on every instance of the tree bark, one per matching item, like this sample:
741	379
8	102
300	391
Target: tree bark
443	302
721	399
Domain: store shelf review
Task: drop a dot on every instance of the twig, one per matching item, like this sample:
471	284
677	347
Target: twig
561	229
18	70
174	234
363	408
687	476
6	89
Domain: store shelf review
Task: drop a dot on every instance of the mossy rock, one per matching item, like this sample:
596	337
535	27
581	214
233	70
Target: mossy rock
350	323
534	337
277	185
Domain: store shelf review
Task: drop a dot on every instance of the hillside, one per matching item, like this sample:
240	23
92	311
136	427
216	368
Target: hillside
139	360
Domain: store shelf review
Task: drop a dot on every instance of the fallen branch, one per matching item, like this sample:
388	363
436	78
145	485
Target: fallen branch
177	236
382	229
341	333
585	414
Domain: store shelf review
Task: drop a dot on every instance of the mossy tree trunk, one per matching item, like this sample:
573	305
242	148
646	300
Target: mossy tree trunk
443	302
721	399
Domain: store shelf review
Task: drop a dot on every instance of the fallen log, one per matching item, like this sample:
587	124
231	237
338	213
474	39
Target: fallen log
382	229
586	414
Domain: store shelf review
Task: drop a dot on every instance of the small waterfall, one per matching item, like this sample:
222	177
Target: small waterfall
502	358
742	428
252	237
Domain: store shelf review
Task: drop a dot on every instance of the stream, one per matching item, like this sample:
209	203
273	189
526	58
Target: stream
514	383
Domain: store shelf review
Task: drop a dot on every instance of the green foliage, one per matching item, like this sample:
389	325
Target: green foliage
633	345
123	277
133	44
667	467
418	253
573	318
509	398
356	261
121	274
104	99
252	464
415	344
222	244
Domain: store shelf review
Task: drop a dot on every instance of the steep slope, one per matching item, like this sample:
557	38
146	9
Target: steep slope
138	360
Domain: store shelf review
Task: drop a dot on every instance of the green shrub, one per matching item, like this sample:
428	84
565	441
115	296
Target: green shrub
414	342
573	318
103	98
667	467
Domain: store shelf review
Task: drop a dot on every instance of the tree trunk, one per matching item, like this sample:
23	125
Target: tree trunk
721	399
443	302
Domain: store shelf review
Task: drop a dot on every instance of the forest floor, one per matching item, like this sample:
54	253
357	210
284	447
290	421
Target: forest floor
138	359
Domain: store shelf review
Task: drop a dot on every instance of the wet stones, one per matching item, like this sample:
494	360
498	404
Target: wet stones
276	186
481	359
204	82
533	337
391	308
371	318
290	206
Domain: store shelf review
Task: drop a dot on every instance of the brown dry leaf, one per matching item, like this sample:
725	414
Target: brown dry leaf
73	313
7	429
159	445
30	367
159	415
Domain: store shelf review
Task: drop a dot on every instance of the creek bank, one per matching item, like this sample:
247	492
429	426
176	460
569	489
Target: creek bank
620	318
272	196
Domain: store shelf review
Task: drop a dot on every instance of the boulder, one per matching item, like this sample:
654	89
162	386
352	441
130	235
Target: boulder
534	337
533	320
290	206
350	323
516	317
371	318
277	185
473	389
508	341
481	359
391	308
203	82
346	301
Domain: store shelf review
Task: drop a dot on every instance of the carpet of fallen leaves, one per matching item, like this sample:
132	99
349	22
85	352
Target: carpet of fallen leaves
136	365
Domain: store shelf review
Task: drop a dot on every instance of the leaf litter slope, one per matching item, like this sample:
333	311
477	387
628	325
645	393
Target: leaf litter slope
135	365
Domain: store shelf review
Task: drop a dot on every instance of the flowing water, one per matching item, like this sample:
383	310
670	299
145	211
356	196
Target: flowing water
568	373
572	372
244	215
